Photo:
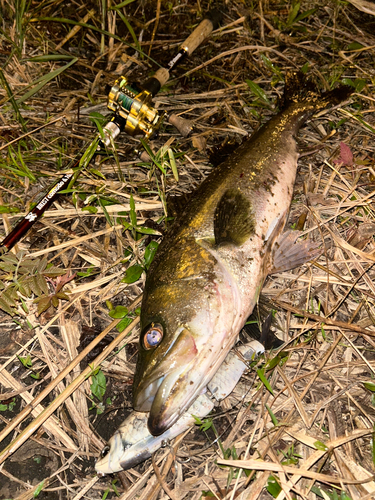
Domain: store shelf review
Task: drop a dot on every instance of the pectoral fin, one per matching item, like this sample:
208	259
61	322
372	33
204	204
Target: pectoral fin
288	254
234	219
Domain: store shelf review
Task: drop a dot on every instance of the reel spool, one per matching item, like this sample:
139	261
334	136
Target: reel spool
134	106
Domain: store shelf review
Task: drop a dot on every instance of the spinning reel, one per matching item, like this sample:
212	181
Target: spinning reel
134	106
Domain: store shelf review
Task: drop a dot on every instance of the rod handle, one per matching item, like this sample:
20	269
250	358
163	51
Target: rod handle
202	31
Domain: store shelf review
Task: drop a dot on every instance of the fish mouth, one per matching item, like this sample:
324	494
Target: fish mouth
165	409
164	392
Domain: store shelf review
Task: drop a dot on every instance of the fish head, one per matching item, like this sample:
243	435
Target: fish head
182	344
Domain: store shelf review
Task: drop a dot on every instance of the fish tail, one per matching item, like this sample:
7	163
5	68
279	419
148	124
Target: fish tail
299	90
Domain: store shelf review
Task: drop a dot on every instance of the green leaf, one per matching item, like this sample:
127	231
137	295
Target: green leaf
273	486
53	271
370	386
273	418
7	266
90	209
98	118
113	484
320	446
264	379
355	46
41	265
89	272
132	274
49	57
42	283
118	312
360	84
8	299
38	489
103	204
4	209
133	215
172	161
120	5
98	385
269	64
54	301
131	31
43	304
150	253
258	92
152	156
97	172
147	230
272	363
26	361
124	323
86	157
197	420
304	14
206	424
293	14
44	80
348	81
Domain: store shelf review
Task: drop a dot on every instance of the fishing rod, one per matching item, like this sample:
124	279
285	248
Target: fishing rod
133	113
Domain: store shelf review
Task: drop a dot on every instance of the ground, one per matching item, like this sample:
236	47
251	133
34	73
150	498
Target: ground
307	432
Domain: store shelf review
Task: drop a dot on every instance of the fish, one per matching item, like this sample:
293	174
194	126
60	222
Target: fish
210	267
132	442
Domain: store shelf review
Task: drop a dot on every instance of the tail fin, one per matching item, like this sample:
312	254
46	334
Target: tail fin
298	89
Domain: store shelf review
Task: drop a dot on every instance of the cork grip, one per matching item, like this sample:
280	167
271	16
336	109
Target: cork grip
162	75
200	33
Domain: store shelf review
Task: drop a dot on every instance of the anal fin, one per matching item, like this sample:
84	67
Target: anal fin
287	253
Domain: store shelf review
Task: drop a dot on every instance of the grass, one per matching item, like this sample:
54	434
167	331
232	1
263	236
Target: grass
311	407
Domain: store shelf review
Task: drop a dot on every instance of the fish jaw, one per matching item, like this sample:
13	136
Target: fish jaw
166	372
170	383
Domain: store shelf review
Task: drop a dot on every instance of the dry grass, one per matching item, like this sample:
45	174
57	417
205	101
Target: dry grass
314	433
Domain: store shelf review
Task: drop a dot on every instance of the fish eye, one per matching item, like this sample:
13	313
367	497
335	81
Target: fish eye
105	451
152	336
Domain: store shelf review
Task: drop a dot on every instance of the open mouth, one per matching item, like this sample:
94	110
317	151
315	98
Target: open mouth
164	411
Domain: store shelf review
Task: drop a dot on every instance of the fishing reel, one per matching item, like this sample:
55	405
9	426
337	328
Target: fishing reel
134	107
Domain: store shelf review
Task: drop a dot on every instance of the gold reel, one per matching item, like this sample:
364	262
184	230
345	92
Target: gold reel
134	106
